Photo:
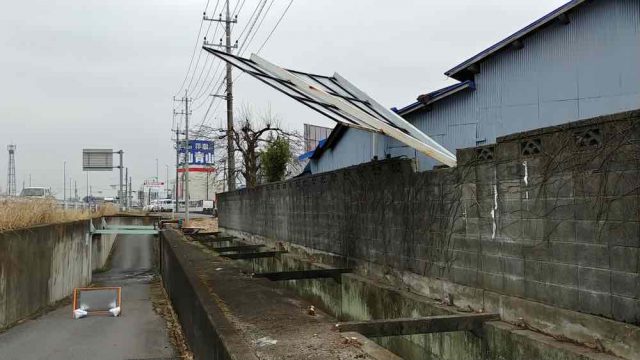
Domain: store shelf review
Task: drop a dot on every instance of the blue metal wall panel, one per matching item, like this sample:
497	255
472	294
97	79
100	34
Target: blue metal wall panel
355	147
564	73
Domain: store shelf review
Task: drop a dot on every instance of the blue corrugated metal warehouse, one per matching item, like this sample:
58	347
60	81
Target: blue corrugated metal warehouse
580	61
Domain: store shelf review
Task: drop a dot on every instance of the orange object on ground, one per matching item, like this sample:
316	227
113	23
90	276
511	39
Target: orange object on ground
95	303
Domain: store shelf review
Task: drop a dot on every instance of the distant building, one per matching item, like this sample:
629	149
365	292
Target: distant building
579	61
314	136
203	184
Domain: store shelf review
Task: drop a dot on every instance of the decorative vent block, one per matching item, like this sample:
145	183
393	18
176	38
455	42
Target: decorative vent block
588	138
531	147
485	153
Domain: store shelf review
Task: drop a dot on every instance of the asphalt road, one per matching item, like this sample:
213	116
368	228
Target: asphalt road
139	333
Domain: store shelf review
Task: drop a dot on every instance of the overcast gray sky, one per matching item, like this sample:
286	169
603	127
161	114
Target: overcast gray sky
98	73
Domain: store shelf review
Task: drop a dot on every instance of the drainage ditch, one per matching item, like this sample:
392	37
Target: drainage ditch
355	298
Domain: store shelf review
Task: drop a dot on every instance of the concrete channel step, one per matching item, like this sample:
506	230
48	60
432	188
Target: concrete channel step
253	255
423	325
238	248
303	274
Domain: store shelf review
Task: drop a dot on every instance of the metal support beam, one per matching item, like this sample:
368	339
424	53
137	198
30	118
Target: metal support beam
126	232
207	234
239	248
303	274
425	325
131	227
211	241
225	238
253	255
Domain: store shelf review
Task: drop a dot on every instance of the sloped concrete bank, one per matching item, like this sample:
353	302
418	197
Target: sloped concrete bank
41	266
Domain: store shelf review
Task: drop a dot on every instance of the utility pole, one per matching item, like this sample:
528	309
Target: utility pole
185	165
130	197
121	194
64	184
175	192
87	187
229	93
186	162
166	184
126	189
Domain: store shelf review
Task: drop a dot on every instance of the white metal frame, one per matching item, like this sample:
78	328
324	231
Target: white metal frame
341	101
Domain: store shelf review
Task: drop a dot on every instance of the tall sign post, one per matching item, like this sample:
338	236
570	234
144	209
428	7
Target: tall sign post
102	160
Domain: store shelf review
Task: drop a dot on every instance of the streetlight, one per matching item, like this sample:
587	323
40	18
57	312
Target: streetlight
64	184
166	184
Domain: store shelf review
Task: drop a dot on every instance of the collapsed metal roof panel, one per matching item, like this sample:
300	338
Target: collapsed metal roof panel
339	100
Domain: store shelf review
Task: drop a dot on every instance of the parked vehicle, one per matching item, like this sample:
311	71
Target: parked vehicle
195	206
150	206
36	193
209	207
166	205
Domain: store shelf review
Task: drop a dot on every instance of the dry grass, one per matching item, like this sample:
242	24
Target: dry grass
207	224
18	214
162	306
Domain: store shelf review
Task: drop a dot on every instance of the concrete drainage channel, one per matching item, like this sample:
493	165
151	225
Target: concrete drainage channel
226	313
350	298
216	282
343	296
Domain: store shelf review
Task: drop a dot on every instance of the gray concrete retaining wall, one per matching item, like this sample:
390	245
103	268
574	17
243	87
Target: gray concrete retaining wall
550	216
40	266
102	245
206	329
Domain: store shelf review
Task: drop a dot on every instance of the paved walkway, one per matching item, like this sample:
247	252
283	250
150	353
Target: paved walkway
139	333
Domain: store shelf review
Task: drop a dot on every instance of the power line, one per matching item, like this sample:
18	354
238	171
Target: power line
200	53
245	45
251	25
204	90
193	54
275	27
219	82
269	36
251	17
236	10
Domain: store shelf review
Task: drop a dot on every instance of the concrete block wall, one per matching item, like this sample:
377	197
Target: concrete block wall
550	215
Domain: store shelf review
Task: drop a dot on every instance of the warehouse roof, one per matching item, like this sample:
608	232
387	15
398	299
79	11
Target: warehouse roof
432	97
468	68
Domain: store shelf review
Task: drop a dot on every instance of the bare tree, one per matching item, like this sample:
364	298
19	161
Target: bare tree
250	136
